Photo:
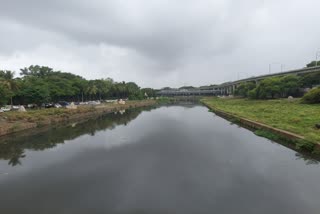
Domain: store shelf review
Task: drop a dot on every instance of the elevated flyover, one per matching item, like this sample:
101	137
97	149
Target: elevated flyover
188	92
228	88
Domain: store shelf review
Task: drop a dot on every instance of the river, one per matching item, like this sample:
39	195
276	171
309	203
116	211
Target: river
179	159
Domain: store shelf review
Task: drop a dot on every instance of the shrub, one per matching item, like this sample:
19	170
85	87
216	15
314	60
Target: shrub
253	94
313	96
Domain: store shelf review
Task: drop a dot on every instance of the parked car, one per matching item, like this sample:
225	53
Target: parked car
31	105
63	103
49	105
4	109
93	103
1	111
57	105
15	108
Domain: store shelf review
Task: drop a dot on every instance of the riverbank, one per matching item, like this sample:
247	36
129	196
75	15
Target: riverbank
12	122
283	119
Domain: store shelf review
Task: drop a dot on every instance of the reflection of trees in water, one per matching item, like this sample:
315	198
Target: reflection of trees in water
308	160
12	148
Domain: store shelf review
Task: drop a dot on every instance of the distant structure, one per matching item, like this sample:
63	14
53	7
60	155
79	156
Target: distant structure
228	88
203	90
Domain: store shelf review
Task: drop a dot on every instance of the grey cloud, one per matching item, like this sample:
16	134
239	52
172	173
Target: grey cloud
161	38
165	31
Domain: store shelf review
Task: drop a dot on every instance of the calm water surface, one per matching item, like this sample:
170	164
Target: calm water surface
177	159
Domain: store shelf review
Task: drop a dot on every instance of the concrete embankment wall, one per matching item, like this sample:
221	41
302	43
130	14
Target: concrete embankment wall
256	125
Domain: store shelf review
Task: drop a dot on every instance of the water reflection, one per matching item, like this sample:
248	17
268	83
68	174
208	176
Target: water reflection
173	160
12	148
308	160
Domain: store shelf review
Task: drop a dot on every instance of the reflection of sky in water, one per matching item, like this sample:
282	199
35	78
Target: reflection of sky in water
169	160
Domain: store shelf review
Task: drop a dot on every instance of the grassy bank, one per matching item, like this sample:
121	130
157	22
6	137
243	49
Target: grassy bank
11	122
291	116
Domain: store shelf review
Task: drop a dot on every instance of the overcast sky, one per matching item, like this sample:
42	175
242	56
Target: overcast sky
159	43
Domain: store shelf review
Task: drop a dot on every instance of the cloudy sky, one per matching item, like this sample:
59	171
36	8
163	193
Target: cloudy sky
159	43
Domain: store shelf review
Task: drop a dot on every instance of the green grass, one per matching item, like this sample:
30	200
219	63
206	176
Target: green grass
283	114
165	100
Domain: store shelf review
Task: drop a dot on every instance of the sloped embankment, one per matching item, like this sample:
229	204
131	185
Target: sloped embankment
12	122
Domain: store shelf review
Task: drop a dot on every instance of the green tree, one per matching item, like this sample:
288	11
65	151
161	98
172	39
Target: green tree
289	85
267	88
244	88
313	96
149	91
313	64
133	91
35	90
40	84
7	79
310	80
91	89
5	94
36	70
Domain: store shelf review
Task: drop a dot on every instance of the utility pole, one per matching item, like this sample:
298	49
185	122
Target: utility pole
269	68
240	72
275	63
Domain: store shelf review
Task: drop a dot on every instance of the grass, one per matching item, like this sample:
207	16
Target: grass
282	114
165	100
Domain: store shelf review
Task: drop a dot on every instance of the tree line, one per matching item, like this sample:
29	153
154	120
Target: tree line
41	84
278	87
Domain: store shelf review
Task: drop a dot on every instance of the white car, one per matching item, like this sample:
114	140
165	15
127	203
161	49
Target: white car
93	103
15	108
57	105
4	109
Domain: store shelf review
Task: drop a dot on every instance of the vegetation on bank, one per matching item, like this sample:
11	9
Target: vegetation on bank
288	115
40	84
278	87
313	96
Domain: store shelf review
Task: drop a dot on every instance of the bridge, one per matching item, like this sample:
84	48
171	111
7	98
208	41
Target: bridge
188	92
229	88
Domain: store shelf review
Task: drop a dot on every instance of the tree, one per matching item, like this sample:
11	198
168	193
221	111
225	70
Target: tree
133	91
289	85
244	88
313	96
313	64
40	84
149	91
267	88
91	89
310	80
36	70
6	77
5	94
35	90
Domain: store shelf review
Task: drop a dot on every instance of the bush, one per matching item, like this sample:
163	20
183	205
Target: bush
313	96
253	94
